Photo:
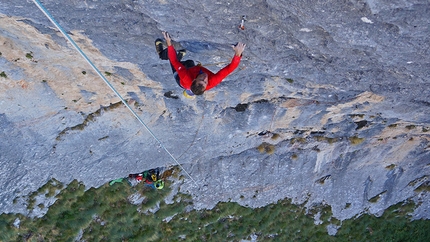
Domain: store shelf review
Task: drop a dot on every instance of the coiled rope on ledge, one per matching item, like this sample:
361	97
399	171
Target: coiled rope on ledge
49	16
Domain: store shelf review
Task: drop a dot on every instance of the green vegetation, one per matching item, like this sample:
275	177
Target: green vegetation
327	139
393	225
108	73
423	187
290	80
29	55
356	115
323	179
377	197
390	167
266	148
300	140
103	213
2	74
50	189
356	140
84	72
275	136
107	214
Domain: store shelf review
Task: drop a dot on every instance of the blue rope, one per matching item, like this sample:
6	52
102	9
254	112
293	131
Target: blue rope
45	11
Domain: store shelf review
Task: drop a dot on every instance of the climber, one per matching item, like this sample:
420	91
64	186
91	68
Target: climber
195	79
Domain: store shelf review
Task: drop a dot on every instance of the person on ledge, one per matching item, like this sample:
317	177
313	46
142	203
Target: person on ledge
195	79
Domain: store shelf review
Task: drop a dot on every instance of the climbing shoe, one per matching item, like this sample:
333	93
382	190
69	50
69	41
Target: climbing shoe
160	49
181	54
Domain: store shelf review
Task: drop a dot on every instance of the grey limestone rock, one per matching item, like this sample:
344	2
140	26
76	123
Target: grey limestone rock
330	103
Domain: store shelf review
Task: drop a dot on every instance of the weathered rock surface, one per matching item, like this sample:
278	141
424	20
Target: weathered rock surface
330	103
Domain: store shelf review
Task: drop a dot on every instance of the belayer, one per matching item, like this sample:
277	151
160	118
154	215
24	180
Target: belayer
195	79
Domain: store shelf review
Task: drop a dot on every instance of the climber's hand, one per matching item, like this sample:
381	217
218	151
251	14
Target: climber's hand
167	38
239	48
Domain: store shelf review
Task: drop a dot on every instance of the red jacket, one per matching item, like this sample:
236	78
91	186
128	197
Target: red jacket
187	76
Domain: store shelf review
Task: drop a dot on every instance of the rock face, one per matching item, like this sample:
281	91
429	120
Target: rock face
330	104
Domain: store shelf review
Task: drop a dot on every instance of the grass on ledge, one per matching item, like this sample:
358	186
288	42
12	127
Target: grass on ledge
106	214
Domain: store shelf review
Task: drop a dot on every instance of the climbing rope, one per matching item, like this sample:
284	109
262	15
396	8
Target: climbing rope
48	15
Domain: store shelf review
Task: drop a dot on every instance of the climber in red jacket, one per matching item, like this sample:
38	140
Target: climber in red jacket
195	79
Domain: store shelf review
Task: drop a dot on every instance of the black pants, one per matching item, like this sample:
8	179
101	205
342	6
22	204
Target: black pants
187	64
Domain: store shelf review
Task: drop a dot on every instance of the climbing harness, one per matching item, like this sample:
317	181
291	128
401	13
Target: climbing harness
48	15
188	94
